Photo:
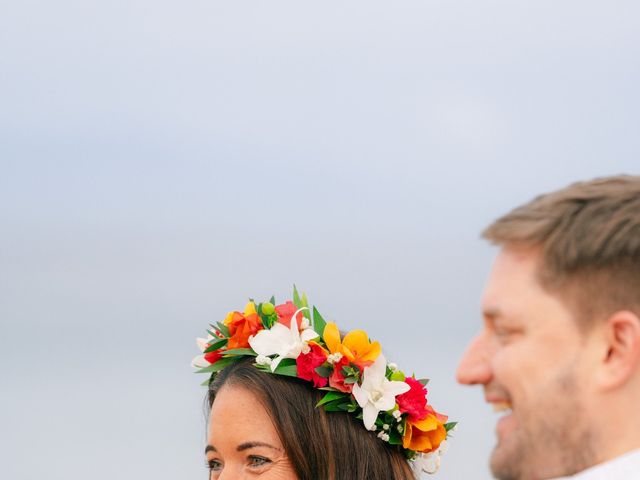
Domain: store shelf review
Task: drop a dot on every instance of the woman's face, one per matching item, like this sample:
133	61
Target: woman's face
243	443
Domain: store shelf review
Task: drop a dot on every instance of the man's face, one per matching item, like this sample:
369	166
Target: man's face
532	361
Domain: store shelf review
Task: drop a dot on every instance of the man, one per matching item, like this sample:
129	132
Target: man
559	351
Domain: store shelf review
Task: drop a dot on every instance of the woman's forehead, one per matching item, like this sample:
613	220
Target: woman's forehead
238	415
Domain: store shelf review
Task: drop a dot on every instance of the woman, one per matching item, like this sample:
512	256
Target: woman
287	402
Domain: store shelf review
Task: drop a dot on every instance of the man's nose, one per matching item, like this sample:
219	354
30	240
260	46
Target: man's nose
475	365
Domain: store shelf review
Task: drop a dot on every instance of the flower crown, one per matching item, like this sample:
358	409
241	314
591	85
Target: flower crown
293	340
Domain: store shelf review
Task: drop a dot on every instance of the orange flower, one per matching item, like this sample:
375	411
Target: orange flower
424	435
242	326
355	346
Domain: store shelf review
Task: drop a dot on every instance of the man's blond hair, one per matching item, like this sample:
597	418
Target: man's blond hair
588	235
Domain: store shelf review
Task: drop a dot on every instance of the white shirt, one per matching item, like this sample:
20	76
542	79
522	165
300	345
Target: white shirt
624	467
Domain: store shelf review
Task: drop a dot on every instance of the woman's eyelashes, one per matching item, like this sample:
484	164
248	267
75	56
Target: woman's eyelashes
257	461
253	461
214	465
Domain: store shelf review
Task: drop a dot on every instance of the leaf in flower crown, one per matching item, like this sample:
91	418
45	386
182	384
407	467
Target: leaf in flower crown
331	397
222	328
318	322
238	352
305	303
450	426
287	367
394	436
296	297
218	344
324	371
219	365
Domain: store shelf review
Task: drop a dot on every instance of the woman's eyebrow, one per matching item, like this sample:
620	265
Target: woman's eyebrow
210	448
248	445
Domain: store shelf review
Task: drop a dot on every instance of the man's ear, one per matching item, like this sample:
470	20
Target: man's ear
622	341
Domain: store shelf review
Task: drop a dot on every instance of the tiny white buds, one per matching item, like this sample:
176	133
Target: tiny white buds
334	358
263	360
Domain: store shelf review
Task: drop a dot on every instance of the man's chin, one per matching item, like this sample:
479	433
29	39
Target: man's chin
507	460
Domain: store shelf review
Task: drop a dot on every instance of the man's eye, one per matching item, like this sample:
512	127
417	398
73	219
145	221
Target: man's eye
257	461
506	334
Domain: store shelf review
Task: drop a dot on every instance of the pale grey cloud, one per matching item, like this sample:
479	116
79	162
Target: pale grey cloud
162	161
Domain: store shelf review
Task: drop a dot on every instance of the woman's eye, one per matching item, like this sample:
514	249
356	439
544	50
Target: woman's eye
214	465
256	461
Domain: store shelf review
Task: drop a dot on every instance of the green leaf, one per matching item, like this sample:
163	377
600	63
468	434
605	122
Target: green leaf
423	381
450	425
394	436
239	351
324	371
296	297
272	300
287	367
318	322
338	405
288	370
219	365
305	303
217	345
331	397
223	329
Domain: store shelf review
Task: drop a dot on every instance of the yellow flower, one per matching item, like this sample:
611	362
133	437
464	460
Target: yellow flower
355	346
249	309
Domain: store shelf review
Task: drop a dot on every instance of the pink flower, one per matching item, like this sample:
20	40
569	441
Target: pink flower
308	362
414	402
286	311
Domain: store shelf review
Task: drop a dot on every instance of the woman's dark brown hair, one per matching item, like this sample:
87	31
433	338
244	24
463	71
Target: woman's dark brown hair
320	445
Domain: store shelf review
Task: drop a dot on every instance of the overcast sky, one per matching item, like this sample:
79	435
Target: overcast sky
162	161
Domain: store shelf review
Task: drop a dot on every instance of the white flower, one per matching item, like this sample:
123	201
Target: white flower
393	367
429	462
383	436
282	341
385	426
397	414
377	393
199	361
425	462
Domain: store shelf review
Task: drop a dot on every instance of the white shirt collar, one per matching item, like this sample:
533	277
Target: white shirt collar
624	467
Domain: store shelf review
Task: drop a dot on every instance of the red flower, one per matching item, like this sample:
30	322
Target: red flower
336	380
307	363
213	357
414	402
286	311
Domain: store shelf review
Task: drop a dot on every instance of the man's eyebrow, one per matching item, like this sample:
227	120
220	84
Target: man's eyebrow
248	445
210	448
